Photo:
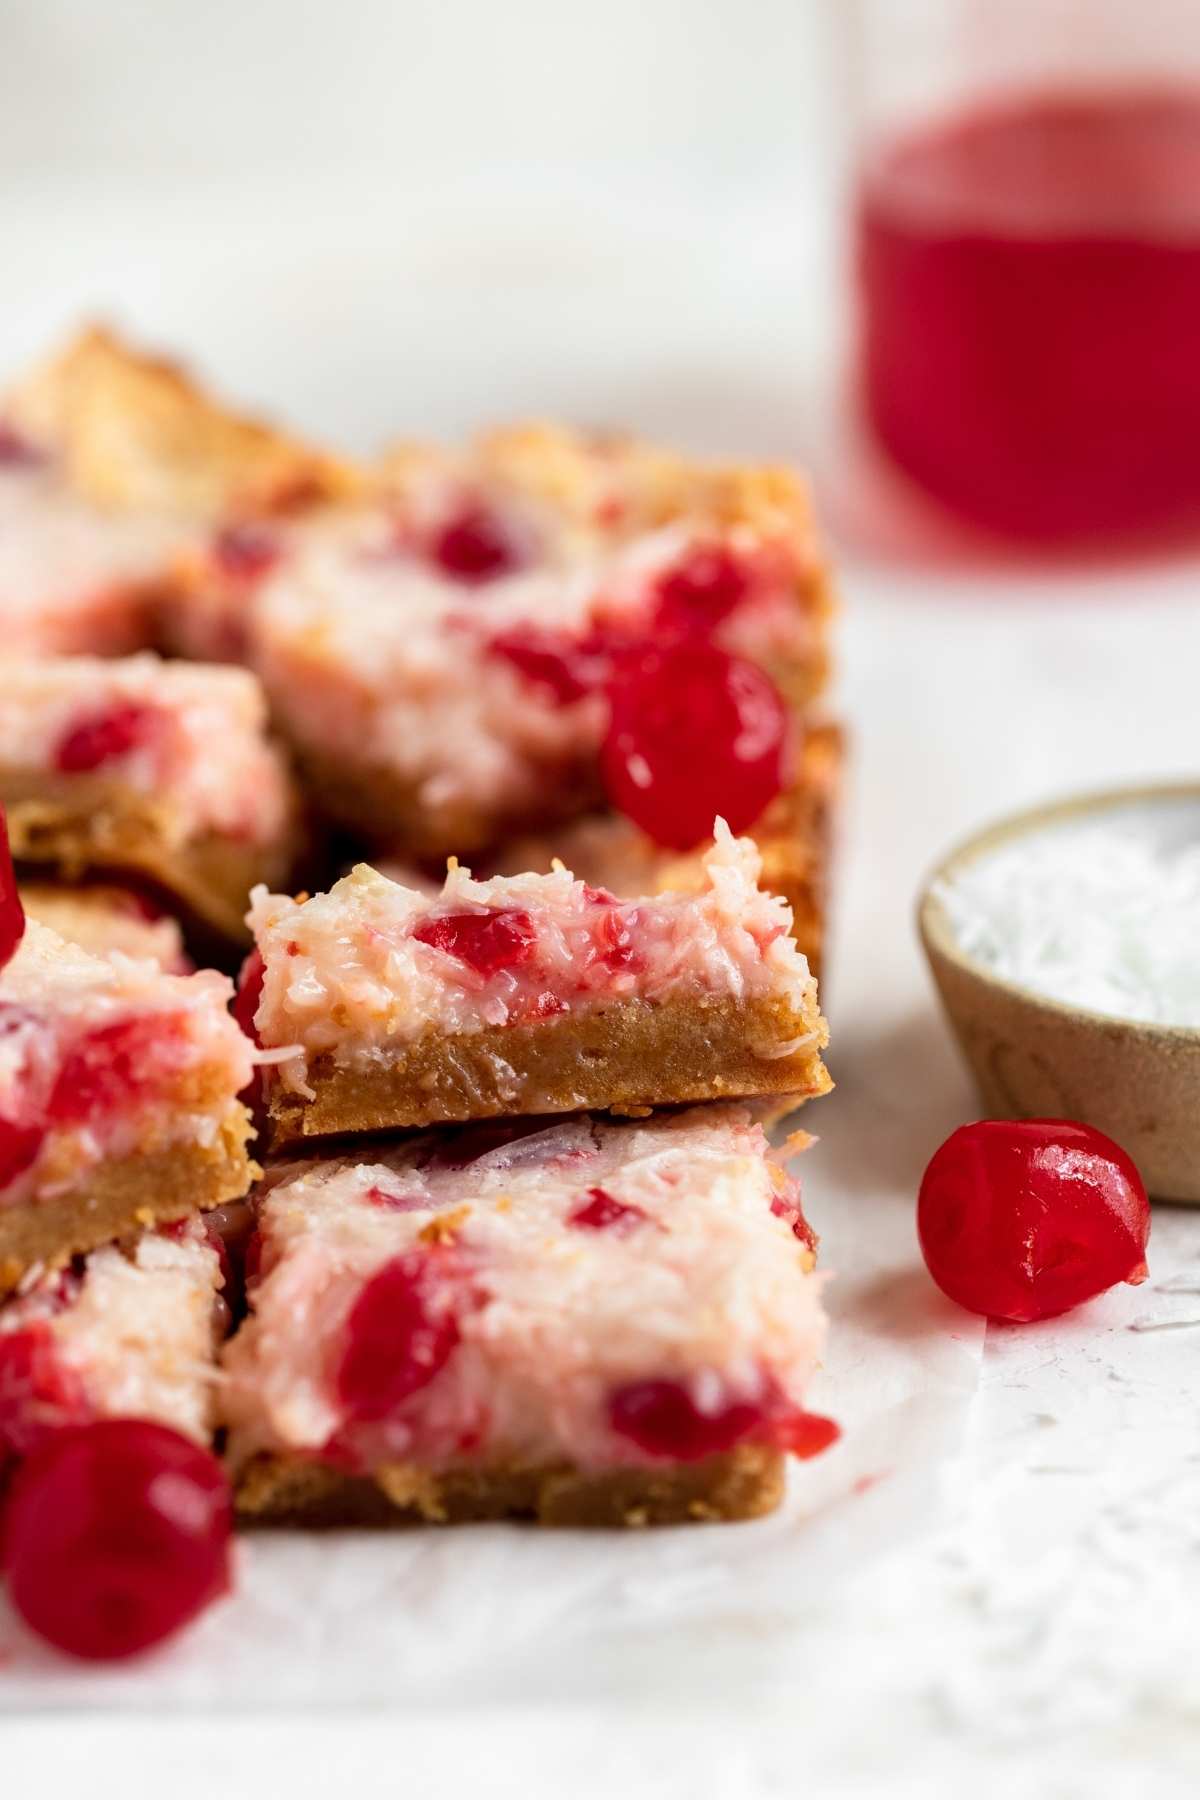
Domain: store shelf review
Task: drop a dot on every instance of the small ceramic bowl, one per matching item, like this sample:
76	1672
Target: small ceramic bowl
1035	1057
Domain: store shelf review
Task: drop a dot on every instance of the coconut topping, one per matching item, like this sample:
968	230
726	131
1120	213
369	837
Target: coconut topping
553	1270
372	963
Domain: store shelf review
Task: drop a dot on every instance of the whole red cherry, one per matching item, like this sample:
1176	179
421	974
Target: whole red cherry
116	1534
693	734
1023	1219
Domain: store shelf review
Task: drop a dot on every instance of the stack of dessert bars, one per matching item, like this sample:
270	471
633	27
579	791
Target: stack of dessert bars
460	1203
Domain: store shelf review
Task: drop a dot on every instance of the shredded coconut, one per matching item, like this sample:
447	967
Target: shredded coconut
1102	914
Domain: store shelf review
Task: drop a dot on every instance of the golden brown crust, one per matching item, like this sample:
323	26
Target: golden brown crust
795	837
742	1484
623	1058
81	824
136	431
124	1196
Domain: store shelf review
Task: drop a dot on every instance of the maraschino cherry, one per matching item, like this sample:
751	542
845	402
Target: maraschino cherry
116	1535
1023	1219
694	734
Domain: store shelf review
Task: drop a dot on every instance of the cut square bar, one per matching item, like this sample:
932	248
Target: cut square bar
528	994
158	770
588	1324
118	1100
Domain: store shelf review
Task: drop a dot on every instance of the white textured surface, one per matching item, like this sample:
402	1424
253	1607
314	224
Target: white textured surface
1031	1635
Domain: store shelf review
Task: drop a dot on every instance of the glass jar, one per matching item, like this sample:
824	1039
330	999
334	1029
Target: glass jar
1027	224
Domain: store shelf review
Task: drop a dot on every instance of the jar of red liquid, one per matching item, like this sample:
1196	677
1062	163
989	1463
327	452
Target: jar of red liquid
1028	251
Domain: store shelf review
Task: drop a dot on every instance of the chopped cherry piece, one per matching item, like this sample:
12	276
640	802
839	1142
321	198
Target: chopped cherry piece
805	1434
709	583
107	1066
249	993
693	734
486	941
12	913
117	1534
245	552
787	1206
1025	1218
602	1211
662	1419
615	940
566	667
39	1393
104	736
475	546
19	1146
401	1331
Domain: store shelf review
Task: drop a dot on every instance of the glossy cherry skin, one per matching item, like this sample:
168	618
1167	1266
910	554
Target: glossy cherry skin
116	1535
1023	1219
693	735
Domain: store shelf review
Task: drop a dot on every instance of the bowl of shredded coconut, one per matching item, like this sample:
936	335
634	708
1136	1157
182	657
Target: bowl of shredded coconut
1065	945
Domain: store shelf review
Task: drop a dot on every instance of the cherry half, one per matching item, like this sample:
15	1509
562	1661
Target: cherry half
1023	1219
116	1535
693	733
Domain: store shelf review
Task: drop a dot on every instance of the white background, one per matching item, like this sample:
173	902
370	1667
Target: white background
397	219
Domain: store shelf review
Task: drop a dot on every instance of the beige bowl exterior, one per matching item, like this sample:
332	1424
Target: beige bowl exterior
1033	1057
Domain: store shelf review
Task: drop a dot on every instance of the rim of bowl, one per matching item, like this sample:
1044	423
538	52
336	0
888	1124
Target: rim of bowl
937	934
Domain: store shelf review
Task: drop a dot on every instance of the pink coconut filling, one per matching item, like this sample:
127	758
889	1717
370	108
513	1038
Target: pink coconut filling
600	1294
373	964
94	1054
189	736
124	1334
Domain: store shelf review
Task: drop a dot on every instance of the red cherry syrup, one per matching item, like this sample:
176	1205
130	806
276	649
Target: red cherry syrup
1030	276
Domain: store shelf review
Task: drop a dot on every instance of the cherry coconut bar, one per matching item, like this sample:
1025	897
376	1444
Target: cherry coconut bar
159	770
587	1324
527	994
118	1099
104	916
439	656
110	460
127	1332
